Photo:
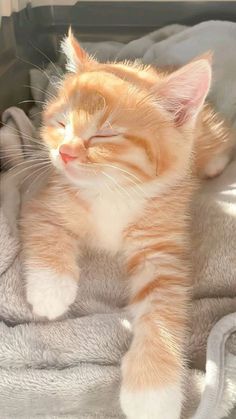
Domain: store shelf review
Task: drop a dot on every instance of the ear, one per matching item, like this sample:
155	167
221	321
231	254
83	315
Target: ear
75	54
183	92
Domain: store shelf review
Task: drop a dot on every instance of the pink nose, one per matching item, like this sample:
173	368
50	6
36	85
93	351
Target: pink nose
66	157
70	152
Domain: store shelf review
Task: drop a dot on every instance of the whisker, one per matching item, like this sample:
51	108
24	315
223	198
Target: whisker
118	185
19	173
21	134
116	189
35	145
32	101
41	174
13	153
9	168
41	90
27	162
19	147
44	171
137	185
35	66
108	187
46	56
25	156
37	113
118	168
28	152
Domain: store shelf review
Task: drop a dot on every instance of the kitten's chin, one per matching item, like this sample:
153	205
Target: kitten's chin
83	177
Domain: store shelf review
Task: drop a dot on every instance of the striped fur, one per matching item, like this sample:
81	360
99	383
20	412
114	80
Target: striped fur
127	150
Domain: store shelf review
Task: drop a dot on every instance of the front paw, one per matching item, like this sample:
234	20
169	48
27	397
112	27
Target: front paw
49	293
160	403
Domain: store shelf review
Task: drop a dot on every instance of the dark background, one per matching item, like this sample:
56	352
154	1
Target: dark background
43	28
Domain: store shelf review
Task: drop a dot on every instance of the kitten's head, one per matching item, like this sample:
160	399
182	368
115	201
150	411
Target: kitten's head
120	124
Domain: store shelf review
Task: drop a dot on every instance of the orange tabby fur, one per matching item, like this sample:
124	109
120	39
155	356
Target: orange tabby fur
127	191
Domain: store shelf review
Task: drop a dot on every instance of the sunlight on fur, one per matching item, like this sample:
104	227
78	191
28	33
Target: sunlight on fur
127	145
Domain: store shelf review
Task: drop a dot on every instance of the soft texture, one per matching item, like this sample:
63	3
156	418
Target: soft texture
89	348
86	131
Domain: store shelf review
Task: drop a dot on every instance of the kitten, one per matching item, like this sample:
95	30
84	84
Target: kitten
126	143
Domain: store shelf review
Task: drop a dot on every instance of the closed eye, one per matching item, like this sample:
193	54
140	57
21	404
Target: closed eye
105	132
103	136
61	124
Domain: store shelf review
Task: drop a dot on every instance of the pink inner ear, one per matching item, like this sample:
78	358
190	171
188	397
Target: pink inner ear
76	56
184	91
79	51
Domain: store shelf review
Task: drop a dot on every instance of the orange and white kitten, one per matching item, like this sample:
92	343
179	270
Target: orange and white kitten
126	142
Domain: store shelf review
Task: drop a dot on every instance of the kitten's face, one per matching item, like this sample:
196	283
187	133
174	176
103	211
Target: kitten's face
114	126
105	125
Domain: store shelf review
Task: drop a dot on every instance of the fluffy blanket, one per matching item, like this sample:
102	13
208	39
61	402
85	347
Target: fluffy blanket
70	368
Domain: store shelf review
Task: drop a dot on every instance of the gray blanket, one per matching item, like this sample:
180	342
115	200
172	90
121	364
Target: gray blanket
70	368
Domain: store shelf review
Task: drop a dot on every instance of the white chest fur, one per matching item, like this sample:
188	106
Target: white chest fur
110	216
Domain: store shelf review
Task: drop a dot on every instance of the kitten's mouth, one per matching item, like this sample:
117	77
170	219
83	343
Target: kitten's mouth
73	166
81	174
80	170
85	175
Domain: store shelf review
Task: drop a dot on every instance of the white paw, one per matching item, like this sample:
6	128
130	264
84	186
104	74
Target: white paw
49	293
163	403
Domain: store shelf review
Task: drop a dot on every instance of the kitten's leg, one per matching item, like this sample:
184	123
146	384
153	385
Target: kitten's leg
51	271
152	370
